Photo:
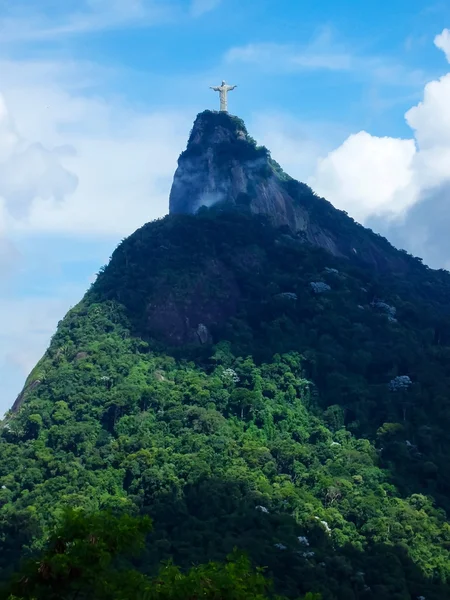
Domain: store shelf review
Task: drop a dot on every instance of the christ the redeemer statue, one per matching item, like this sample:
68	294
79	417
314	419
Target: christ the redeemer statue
223	89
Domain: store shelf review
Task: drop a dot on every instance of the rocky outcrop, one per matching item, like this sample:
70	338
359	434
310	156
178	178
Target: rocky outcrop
220	164
223	164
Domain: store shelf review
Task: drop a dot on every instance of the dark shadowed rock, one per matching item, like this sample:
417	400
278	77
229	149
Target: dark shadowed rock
210	299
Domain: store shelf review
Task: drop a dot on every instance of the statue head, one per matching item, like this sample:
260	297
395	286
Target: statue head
223	82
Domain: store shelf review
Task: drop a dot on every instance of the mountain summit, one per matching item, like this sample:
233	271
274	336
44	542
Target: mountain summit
261	373
223	164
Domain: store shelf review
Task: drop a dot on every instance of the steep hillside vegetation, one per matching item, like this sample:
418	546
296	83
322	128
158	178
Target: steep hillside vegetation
248	390
264	374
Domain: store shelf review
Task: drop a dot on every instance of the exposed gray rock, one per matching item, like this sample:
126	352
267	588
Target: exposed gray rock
387	309
203	333
319	287
303	540
287	296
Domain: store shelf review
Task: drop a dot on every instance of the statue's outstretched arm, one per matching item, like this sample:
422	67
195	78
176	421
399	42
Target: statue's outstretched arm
216	89
231	87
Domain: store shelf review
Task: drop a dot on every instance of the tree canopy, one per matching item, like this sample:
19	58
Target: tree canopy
305	426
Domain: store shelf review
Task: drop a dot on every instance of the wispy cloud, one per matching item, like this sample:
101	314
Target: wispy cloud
324	53
287	57
23	23
200	7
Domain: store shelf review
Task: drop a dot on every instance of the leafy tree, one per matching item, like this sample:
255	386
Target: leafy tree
84	559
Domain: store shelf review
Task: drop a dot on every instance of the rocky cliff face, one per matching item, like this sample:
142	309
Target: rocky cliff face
223	164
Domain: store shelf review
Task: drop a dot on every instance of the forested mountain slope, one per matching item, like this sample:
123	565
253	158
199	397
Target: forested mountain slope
246	384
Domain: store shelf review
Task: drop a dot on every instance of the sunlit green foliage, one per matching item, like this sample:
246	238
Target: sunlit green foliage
283	429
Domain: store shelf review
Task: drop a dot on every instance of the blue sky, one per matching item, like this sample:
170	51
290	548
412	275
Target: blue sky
97	98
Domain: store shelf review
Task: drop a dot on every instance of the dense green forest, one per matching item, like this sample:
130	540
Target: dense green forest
88	556
244	390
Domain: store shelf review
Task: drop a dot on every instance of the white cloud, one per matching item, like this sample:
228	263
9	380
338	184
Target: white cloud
200	7
368	175
293	143
124	179
73	165
76	164
34	173
442	41
430	119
